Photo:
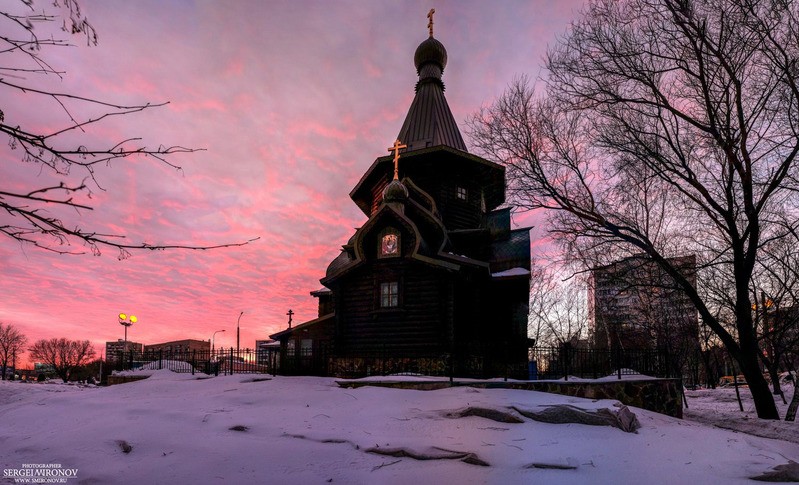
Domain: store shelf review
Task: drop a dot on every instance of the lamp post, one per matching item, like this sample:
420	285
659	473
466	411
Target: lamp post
213	340
126	321
238	332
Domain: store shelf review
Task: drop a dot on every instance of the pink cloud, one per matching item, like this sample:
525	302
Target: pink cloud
293	102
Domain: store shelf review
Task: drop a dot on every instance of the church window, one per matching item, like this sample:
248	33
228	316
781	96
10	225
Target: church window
389	294
389	243
306	347
461	192
290	347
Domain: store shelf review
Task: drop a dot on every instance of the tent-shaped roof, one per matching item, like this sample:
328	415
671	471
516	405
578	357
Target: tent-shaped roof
429	121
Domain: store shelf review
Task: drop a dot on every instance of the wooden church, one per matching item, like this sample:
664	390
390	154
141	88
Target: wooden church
435	281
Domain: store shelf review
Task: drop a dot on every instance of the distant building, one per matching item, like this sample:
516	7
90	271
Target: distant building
46	369
782	323
634	304
179	346
114	349
785	319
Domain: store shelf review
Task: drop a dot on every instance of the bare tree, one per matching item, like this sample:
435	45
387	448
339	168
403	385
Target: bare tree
668	127
711	356
776	293
558	311
64	154
12	342
638	306
64	356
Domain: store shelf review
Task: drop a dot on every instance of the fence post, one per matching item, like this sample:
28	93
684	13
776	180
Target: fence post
618	362
231	360
130	360
506	360
193	360
566	359
669	371
451	366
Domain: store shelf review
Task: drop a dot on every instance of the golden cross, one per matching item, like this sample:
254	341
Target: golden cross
430	23
396	148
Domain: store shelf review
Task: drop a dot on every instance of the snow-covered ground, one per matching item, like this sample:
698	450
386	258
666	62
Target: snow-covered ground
719	407
182	429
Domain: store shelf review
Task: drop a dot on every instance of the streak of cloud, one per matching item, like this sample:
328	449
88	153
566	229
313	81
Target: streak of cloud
292	102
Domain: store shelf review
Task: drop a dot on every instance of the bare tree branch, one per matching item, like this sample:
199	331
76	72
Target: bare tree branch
56	150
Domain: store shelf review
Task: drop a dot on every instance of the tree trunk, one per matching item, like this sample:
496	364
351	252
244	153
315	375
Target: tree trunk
748	354
790	415
708	369
758	387
737	389
774	374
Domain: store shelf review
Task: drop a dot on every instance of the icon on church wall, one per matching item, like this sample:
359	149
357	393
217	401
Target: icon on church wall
390	245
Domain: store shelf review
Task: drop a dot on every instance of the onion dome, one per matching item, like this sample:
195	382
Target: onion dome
429	121
395	192
430	59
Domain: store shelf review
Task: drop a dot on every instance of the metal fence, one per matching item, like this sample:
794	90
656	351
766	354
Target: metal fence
483	362
540	363
567	361
477	361
219	361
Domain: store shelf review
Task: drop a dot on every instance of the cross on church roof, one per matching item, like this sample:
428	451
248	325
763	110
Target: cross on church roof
396	148
430	23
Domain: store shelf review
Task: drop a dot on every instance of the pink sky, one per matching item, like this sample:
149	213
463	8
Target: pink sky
293	101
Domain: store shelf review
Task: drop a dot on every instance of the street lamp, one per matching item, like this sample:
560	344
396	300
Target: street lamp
238	332
213	338
126	321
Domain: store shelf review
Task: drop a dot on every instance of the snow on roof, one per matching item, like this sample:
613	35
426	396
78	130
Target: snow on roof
511	272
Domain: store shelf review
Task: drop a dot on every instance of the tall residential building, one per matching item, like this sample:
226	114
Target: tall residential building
114	349
634	304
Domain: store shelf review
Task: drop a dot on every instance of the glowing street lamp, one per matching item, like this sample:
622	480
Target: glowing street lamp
126	321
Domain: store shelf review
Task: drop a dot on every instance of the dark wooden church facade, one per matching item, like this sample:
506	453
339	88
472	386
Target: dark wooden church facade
435	281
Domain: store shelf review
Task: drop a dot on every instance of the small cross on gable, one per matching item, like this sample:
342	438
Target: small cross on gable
396	148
